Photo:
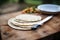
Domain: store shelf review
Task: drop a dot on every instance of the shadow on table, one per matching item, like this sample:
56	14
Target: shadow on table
55	36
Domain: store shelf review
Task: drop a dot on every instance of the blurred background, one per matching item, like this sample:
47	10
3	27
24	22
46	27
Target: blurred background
7	6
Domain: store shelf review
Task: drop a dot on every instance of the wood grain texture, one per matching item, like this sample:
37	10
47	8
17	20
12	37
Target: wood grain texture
47	29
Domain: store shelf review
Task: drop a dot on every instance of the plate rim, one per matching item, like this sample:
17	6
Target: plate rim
38	7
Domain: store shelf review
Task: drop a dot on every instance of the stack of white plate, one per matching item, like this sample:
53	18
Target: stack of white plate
24	21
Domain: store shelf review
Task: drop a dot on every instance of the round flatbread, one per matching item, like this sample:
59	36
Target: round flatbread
12	20
25	20
28	17
16	27
21	25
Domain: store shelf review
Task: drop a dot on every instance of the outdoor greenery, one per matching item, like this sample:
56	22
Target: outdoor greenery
30	1
33	2
52	1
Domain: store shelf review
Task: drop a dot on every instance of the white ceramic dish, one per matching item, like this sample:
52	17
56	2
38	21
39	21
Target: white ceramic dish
52	8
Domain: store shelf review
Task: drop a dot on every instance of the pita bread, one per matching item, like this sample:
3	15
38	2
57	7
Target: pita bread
17	27
28	17
25	20
19	24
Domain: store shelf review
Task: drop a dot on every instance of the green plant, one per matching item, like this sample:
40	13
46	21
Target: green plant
33	2
13	1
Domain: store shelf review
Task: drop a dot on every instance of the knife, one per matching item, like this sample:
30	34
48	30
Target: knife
35	26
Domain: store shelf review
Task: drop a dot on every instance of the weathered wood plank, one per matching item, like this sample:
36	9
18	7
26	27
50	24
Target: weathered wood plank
47	29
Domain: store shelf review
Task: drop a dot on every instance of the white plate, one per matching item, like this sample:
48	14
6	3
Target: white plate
49	8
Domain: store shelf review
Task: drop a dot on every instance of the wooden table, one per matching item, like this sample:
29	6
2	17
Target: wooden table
47	29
